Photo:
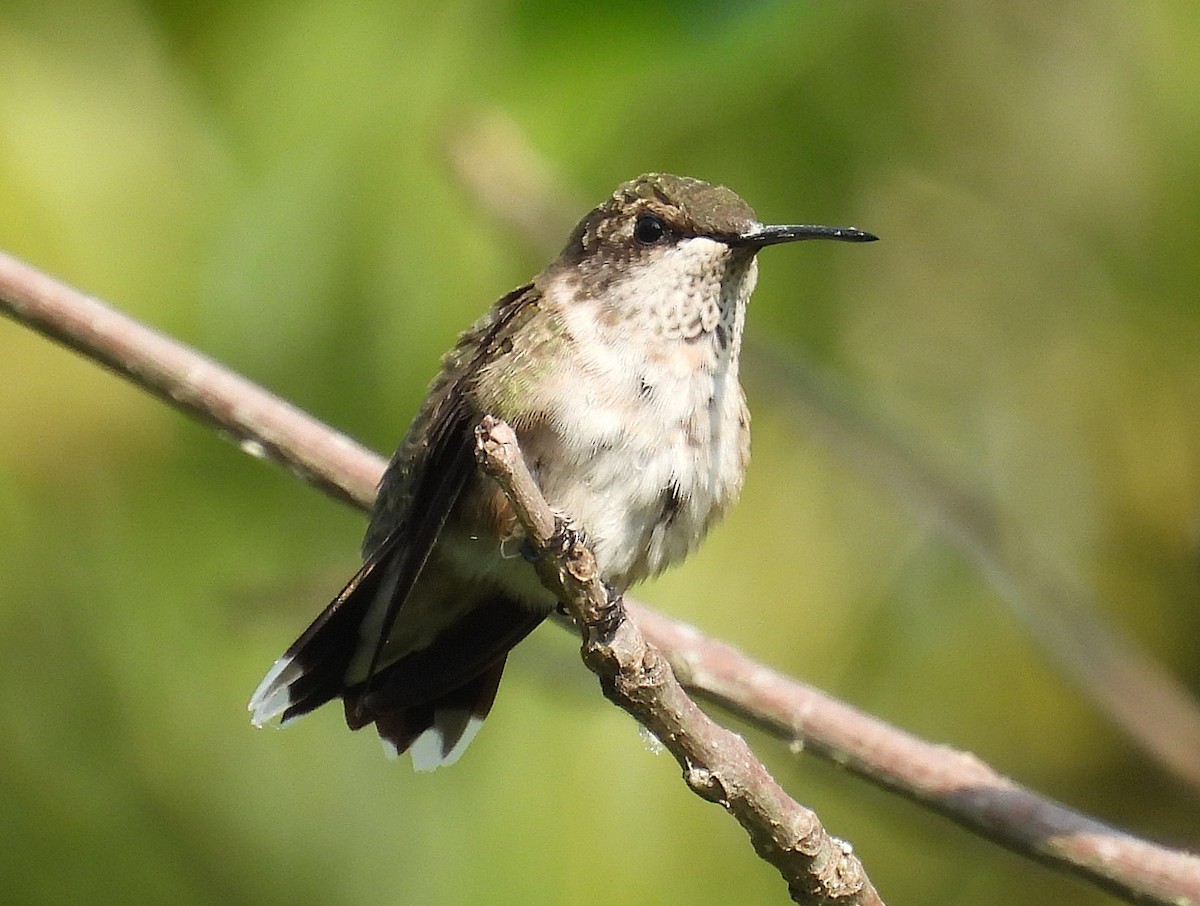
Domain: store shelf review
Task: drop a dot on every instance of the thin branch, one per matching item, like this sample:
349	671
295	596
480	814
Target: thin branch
949	782
717	764
262	424
952	782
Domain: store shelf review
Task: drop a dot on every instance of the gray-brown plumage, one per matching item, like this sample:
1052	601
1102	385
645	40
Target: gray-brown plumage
617	368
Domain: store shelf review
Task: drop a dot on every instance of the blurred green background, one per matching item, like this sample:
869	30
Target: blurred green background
294	188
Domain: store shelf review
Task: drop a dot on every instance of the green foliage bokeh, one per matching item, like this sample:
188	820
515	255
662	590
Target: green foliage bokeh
273	183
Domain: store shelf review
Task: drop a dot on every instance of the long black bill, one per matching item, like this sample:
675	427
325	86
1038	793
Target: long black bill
773	235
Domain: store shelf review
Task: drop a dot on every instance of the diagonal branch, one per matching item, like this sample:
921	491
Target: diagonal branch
262	424
717	764
949	782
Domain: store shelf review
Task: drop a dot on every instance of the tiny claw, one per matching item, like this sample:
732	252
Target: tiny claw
565	537
561	542
609	617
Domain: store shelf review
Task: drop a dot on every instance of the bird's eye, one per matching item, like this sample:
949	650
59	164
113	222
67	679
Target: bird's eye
648	229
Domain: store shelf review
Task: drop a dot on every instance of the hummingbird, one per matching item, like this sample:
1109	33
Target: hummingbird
617	367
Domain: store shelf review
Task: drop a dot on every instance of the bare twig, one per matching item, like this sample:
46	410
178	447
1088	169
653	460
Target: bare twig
717	764
952	783
262	424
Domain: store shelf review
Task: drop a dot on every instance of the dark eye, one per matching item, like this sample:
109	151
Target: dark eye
648	229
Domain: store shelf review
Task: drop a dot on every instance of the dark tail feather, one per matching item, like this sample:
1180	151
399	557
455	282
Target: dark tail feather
434	700
438	731
313	670
431	701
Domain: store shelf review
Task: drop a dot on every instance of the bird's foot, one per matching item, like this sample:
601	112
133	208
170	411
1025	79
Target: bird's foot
564	538
611	615
561	542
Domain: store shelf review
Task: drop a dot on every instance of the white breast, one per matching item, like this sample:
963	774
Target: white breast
652	424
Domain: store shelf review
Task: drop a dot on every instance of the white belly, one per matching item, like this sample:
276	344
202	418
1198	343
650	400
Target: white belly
646	479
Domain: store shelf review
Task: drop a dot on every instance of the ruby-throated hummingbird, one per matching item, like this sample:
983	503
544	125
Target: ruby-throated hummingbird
617	366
